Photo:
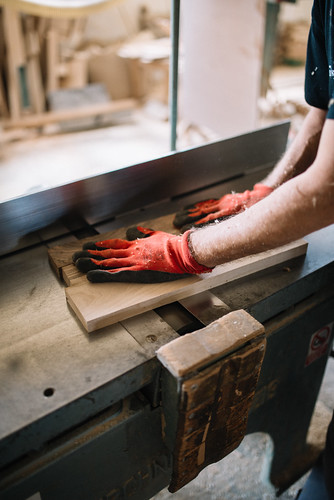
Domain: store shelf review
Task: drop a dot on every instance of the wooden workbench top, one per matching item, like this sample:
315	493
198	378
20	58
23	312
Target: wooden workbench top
48	361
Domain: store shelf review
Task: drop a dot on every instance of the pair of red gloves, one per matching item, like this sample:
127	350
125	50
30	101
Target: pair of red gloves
149	256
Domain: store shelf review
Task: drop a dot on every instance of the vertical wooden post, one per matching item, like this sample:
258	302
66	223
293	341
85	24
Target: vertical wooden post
52	57
36	90
16	60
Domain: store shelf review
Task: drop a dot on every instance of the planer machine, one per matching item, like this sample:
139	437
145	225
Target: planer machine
150	401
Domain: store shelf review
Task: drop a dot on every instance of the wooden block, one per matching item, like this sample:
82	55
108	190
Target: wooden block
71	275
39	120
108	68
216	420
101	304
206	401
76	72
187	353
60	256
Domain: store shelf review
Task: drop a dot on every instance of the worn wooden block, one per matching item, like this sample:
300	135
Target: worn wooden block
185	354
203	389
211	397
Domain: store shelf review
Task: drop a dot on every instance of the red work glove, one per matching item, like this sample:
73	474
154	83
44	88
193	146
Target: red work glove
206	211
155	257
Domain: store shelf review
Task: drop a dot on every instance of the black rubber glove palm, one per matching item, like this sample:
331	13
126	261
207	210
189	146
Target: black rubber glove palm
154	256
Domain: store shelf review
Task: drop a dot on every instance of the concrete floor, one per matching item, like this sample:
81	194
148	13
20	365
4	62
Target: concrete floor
39	163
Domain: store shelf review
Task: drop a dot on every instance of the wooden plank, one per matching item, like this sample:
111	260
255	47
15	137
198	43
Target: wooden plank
52	48
150	331
36	89
16	60
106	67
101	304
39	120
187	354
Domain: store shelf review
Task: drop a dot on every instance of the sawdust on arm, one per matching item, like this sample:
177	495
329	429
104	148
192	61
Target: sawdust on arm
296	208
301	153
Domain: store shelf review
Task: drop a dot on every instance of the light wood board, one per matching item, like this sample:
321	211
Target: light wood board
101	304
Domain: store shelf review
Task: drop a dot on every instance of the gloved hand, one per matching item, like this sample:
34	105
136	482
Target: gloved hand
155	257
206	211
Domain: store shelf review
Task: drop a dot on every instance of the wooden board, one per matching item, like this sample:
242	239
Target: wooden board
39	120
101	304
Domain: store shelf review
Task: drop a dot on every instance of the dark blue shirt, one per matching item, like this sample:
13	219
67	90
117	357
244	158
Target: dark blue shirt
319	70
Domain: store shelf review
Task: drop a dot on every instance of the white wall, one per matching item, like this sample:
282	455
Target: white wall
222	46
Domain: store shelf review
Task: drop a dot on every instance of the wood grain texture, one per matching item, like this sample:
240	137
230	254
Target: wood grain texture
210	383
101	304
213	409
190	352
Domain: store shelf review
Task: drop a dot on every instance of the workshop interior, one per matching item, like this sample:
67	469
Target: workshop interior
118	113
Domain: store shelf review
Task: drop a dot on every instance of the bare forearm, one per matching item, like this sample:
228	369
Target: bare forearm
302	152
296	208
286	215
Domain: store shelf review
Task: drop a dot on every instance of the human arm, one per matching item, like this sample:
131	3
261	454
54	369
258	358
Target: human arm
296	208
302	151
146	256
296	160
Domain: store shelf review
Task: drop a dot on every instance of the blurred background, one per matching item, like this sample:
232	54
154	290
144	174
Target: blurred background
86	90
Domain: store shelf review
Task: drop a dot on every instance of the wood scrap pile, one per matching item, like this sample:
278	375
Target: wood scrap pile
42	56
51	74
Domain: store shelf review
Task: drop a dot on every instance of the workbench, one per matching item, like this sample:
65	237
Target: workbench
101	415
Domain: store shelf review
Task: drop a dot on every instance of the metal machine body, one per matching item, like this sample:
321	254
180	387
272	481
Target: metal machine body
82	414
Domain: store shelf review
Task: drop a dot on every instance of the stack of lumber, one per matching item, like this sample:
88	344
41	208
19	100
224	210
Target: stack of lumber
292	42
38	57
